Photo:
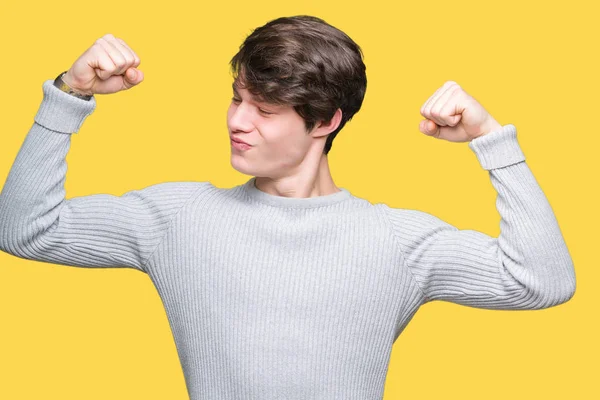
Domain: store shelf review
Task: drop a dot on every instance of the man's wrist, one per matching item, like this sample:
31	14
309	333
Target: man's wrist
491	126
63	82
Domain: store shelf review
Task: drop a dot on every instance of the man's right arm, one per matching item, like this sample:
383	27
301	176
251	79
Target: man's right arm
38	223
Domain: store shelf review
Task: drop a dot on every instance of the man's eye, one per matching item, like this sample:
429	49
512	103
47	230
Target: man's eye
260	109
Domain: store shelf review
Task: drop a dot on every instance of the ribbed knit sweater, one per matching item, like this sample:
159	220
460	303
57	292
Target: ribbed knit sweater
272	297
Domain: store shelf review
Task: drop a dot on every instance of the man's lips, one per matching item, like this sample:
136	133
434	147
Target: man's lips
239	141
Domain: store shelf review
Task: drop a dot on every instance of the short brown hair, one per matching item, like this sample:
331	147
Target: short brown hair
304	62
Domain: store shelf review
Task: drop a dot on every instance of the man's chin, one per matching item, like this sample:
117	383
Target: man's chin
239	166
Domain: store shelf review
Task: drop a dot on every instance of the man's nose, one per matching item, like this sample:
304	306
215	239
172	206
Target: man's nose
241	119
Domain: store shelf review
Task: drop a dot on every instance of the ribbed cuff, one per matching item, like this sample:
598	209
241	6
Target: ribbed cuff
498	148
62	112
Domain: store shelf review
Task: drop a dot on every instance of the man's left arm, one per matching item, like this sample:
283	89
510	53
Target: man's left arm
530	246
528	266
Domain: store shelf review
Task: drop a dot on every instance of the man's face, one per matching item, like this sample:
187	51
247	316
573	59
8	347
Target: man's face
276	134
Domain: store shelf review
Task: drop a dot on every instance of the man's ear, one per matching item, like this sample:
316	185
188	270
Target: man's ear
326	127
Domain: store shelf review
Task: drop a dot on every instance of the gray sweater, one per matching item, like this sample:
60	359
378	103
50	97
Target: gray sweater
272	297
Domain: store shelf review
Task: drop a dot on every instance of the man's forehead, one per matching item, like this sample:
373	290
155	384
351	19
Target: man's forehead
235	86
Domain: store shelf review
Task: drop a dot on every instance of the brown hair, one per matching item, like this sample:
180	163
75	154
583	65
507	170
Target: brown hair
304	62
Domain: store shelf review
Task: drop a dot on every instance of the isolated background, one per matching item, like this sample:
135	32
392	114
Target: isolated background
75	333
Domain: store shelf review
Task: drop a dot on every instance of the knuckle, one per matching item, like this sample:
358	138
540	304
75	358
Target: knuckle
99	48
136	59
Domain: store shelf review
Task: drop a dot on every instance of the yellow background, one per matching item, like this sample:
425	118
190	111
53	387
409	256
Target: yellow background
77	333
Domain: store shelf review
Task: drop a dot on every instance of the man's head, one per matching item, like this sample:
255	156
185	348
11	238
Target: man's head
297	81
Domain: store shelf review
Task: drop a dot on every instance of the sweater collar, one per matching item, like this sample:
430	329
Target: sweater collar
294	202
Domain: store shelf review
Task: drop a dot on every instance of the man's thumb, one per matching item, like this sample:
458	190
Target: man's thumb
426	127
133	75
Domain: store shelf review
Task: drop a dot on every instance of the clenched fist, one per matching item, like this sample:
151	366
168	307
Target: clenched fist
108	66
452	114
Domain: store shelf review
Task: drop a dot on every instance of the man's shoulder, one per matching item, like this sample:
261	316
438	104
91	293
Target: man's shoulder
168	194
404	218
177	186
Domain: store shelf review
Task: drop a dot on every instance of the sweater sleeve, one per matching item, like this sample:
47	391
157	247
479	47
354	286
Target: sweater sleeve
528	266
38	223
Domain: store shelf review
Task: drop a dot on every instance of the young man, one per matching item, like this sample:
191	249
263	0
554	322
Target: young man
287	286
